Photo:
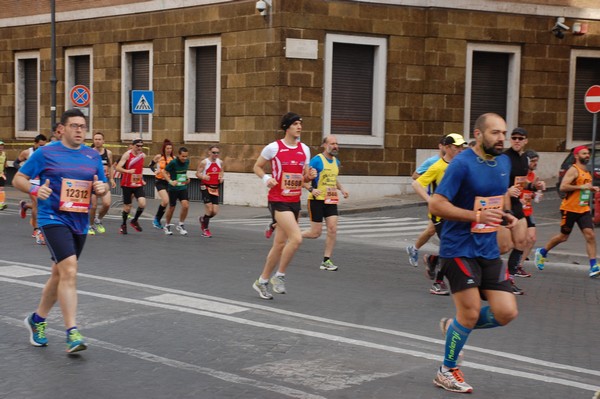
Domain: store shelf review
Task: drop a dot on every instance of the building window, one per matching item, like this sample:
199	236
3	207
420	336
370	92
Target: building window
79	71
584	73
354	98
136	74
492	83
27	103
202	91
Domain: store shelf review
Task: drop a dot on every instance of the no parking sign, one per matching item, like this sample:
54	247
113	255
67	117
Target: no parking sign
80	96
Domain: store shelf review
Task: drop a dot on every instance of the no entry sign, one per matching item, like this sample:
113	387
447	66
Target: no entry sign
80	96
592	99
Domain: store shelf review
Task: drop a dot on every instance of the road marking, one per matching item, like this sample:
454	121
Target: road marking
196	303
335	338
150	357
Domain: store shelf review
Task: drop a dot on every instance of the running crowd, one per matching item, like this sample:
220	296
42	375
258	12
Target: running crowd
479	198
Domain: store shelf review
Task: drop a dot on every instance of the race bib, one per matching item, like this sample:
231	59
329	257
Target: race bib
481	204
521	182
181	179
526	199
75	195
584	197
213	190
136	179
291	184
331	195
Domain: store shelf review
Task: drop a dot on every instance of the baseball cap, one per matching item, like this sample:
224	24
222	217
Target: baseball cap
454	139
520	131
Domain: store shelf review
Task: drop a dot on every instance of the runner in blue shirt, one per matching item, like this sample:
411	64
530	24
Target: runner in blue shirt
472	199
69	173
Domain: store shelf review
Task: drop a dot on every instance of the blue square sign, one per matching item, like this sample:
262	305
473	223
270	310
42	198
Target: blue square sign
142	101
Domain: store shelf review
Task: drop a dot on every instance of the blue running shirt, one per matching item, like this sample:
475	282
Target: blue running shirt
56	162
467	177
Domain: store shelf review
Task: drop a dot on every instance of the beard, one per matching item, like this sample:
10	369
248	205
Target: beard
491	150
333	153
584	161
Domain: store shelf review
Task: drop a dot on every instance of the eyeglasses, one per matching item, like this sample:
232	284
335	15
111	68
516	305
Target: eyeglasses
76	126
518	138
216	152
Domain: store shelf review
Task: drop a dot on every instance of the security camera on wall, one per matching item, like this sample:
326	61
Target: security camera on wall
261	7
560	28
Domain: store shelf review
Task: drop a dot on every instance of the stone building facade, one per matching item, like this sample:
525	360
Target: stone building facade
431	68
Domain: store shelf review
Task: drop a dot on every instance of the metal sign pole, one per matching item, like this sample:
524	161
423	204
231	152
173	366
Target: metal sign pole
594	127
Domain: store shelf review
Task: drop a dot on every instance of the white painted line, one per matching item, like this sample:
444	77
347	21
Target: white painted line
16	271
415	226
150	357
196	303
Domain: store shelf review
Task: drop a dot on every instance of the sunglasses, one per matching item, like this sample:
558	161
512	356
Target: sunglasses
216	152
139	145
518	138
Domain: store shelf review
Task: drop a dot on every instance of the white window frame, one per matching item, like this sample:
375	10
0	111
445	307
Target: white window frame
19	95
571	99
126	134
70	82
376	139
189	93
514	79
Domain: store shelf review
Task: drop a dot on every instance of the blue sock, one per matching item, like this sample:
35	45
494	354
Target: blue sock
456	337
486	319
37	319
592	263
543	252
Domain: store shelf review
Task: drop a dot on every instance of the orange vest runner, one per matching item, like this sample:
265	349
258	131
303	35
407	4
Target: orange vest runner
578	201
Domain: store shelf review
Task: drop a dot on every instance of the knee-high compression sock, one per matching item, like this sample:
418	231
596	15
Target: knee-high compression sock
124	215
138	213
161	212
456	337
486	319
206	221
513	261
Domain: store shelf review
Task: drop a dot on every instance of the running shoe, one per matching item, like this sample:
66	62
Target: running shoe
99	227
181	229
278	283
123	229
594	271
262	289
157	225
3	207
75	342
539	259
516	290
167	229
521	272
430	265
23	209
269	230
413	255
136	226
328	265
91	231
439	288
206	233
37	331
39	237
452	380
444	325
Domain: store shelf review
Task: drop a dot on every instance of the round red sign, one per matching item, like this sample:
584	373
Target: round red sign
592	99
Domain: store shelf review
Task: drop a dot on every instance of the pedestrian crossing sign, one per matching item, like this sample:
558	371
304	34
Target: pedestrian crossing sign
142	101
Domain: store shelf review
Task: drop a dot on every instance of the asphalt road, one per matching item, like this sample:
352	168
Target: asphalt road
176	317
